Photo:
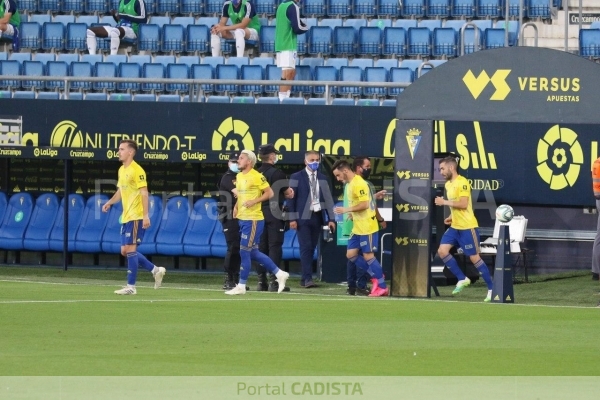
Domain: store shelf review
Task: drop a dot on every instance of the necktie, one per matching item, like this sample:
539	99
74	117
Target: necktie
313	186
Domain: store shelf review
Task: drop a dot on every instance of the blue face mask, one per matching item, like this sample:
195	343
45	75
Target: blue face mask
313	165
234	168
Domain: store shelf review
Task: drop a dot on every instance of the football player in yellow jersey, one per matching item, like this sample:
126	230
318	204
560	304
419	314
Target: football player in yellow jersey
365	229
132	191
252	190
463	231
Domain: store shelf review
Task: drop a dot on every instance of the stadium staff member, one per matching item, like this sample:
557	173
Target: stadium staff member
463	231
231	228
10	22
271	240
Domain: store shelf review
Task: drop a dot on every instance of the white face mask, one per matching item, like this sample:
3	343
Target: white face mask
234	168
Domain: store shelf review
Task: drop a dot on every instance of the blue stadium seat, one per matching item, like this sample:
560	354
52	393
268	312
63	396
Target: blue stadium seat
263	62
169	238
20	57
203	71
365	8
336	62
380	23
455	24
76	208
483	24
96	7
31	36
268	100
463	8
405	23
177	71
350	74
539	9
343	102
273	73
213	7
320	41
302	45
169	98
183	21
362	63
266	7
330	22
413	8
129	70
73	95
115	59
16	218
93	59
314	8
375	74
238	61
471	44
288	245
218	99
173	39
388	8
96	96
218	244
151	6
589	43
356	23
24	95
400	75
44	58
197	237
169	7
164	60
224	71
198	39
491	8
494	38
412	64
369	41
140	59
120	97
192	7
32	68
64	19
72	6
28	5
431	24
58	69
339	8
48	6
83	70
513	31
213	62
209	21
160	20
111	238
389	103
105	70
267	39
243	100
367	102
316	101
10	67
513	7
251	72
419	42
344	41
438	8
386	63
312	62
88	20
394	42
303	73
145	97
40	18
76	37
325	73
88	238
48	96
53	36
445	41
5	94
153	71
155	213
296	101
188	60
67	58
149	38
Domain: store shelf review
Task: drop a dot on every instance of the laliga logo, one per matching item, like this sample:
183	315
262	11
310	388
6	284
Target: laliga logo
476	85
230	134
559	157
65	134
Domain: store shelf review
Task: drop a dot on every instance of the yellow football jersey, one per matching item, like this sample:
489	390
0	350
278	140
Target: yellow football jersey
131	179
461	219
365	221
250	186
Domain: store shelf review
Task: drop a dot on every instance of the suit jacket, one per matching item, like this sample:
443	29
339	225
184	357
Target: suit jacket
299	206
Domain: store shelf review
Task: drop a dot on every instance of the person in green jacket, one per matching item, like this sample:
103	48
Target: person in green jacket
287	28
245	25
10	21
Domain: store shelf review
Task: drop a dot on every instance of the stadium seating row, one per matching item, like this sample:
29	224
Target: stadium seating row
178	229
316	8
589	41
405	38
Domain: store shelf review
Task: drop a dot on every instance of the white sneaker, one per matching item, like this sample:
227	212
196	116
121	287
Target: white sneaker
460	285
282	277
238	289
158	277
126	290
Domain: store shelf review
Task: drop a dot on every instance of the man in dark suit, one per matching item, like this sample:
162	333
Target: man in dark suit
310	209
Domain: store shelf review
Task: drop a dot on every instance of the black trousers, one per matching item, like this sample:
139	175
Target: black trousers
232	261
271	240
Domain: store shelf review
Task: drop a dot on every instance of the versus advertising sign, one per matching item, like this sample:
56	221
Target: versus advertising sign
412	206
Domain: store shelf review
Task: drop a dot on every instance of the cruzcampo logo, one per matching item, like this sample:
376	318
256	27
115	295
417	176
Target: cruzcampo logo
232	135
19	216
559	158
476	84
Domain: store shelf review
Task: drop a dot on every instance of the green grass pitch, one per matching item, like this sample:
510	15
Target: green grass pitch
71	324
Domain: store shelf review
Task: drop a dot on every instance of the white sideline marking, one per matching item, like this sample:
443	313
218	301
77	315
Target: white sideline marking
316	296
